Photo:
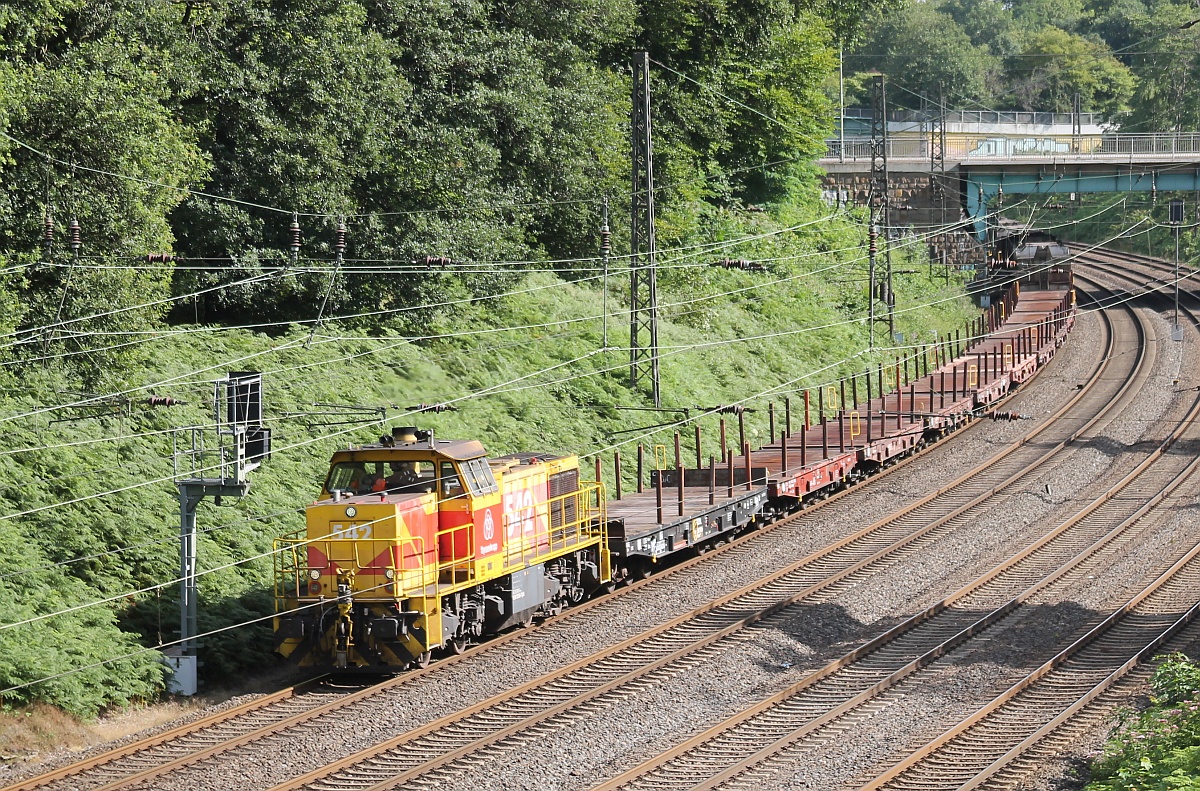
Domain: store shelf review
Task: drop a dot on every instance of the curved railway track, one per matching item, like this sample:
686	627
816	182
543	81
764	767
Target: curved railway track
423	757
1090	712
811	714
674	645
977	751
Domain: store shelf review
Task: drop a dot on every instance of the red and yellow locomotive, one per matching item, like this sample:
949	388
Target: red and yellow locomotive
418	544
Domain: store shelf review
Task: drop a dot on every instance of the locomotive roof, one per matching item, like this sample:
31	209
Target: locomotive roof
456	449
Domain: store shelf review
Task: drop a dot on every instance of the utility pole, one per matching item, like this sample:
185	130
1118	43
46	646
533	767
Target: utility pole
1076	122
643	289
841	104
605	251
878	199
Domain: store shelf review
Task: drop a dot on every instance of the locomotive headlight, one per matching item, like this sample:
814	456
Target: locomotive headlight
389	573
314	573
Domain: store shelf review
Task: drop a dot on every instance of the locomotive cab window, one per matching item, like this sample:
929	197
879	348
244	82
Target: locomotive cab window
475	475
478	476
451	483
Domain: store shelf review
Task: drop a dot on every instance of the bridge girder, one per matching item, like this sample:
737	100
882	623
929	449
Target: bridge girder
983	183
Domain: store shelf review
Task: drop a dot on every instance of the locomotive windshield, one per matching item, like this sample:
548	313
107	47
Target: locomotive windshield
365	477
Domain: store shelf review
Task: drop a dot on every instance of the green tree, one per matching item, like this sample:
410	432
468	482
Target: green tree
98	101
1036	14
988	23
1055	66
920	48
1167	58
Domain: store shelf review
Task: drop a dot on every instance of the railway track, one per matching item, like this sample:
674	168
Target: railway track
1087	697
144	761
742	751
965	755
425	756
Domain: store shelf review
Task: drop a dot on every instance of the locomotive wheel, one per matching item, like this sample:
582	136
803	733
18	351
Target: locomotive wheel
457	645
422	660
527	621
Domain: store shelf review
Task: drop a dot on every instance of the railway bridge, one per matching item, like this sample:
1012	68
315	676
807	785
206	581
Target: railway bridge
978	166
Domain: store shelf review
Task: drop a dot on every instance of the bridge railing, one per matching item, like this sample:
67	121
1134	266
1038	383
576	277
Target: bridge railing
973	147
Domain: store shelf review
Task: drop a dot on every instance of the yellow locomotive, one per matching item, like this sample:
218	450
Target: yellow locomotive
419	544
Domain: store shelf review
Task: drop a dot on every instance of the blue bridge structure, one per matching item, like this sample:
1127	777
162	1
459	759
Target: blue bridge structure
987	158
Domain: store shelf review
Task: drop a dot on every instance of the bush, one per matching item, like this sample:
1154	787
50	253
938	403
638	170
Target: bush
1160	747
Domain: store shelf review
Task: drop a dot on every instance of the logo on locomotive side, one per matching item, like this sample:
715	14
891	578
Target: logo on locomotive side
489	542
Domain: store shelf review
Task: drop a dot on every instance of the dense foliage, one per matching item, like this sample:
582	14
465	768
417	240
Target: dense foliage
477	130
1159	748
1135	61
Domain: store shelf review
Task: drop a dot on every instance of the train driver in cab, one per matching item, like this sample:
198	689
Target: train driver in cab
403	476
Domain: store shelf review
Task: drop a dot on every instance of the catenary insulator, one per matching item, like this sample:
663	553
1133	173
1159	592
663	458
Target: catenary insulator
76	236
294	235
339	244
605	240
48	234
872	236
160	258
433	408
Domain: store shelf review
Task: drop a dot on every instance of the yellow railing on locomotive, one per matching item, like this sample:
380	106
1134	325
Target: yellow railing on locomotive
292	570
588	523
581	520
288	571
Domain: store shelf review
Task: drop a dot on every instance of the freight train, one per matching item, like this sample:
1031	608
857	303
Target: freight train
419	544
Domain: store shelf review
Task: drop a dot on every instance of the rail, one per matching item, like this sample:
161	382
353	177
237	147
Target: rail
999	147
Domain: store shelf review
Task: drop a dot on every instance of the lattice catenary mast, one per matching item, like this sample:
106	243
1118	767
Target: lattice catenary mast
643	289
878	200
